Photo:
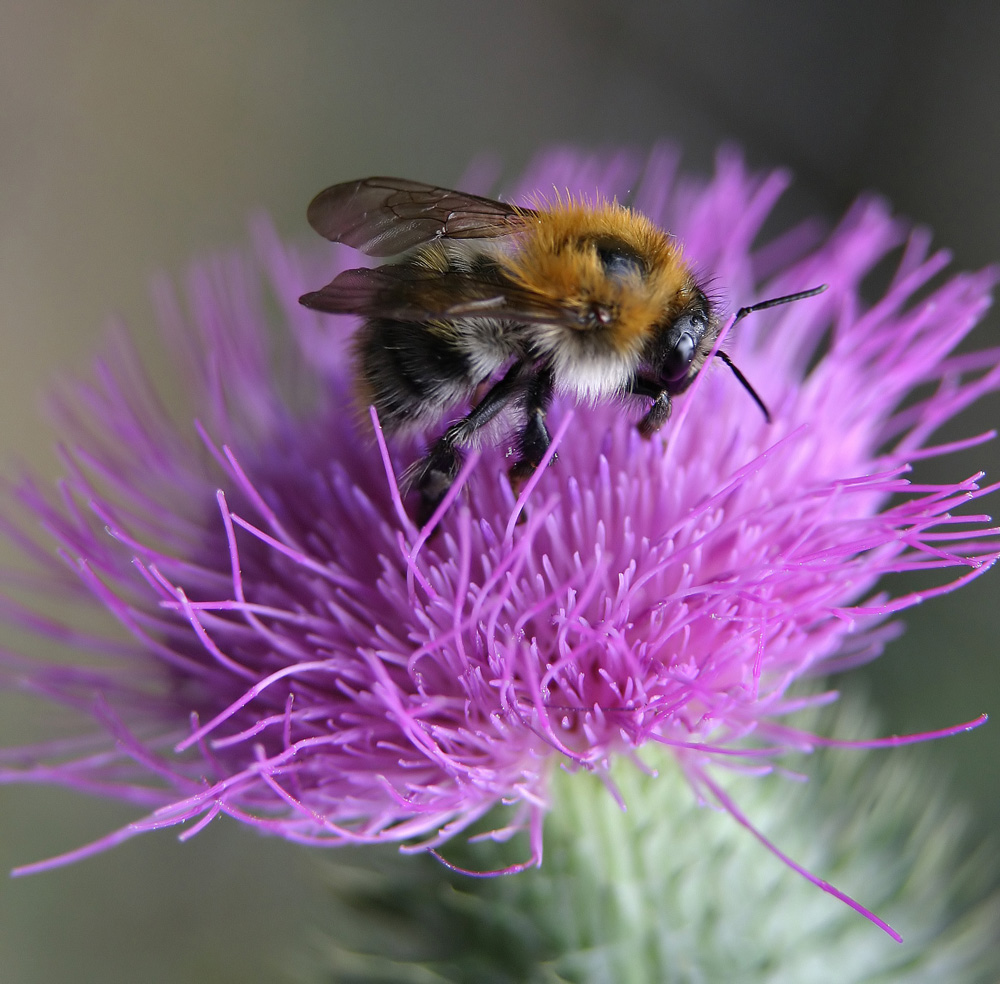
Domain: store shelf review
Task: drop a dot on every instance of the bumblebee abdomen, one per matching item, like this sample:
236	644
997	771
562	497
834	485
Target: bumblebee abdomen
410	372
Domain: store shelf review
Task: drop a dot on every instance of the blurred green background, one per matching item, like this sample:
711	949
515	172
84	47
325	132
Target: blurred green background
134	136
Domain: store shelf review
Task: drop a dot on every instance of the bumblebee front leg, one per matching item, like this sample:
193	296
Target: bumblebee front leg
535	439
434	474
659	413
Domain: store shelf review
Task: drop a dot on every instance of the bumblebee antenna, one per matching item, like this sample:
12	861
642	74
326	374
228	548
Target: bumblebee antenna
761	306
775	301
745	383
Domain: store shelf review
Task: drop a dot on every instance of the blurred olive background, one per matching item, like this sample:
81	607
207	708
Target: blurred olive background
134	136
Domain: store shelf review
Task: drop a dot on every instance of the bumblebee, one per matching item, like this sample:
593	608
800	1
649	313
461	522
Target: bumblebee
504	307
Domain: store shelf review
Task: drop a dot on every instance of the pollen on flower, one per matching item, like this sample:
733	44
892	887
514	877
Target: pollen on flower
315	665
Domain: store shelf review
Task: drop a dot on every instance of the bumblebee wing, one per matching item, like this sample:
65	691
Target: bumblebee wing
385	216
406	293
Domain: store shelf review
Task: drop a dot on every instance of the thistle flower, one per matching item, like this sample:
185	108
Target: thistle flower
298	655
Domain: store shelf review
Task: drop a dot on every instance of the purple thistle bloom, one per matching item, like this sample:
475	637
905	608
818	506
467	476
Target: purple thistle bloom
298	655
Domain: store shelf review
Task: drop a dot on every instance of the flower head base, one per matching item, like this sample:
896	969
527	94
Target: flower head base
300	656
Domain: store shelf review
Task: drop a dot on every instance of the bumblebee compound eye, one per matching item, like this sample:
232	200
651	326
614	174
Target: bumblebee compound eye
678	358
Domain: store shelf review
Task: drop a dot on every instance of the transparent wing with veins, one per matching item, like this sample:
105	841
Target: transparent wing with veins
386	216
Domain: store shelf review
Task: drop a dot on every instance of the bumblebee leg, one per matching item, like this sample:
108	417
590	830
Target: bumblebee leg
535	439
658	414
433	475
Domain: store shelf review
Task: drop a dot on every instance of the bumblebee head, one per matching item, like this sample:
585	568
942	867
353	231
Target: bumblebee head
682	345
678	347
